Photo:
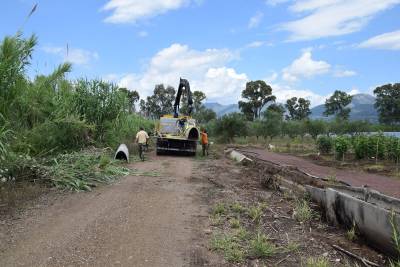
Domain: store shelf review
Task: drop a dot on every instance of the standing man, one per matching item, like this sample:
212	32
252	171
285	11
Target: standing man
204	141
141	139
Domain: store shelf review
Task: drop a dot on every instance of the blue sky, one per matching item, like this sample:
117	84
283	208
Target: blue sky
303	48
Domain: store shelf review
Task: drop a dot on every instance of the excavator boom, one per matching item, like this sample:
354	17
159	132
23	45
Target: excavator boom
184	87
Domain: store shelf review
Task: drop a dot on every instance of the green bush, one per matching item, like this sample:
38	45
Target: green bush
229	126
377	146
393	148
324	144
315	127
360	145
342	145
64	134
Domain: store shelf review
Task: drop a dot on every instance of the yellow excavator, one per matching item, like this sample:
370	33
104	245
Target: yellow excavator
175	132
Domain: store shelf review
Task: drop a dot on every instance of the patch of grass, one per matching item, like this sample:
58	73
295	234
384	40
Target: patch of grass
255	213
234	254
395	237
332	179
219	208
216	220
234	223
242	234
260	247
104	161
376	168
351	234
237	208
292	246
303	211
317	262
287	195
229	246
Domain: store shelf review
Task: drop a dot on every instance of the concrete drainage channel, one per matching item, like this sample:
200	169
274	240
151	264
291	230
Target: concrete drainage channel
371	212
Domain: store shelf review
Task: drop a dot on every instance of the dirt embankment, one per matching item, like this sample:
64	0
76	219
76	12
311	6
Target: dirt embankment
384	184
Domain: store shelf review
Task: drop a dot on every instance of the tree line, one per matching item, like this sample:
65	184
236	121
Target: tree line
261	116
257	95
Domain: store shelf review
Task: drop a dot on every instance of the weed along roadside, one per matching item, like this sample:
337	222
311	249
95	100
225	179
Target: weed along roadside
369	217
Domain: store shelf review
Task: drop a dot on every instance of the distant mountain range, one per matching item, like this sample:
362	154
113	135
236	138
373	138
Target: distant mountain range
362	108
221	109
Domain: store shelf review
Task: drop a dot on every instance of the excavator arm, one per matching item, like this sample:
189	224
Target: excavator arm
184	87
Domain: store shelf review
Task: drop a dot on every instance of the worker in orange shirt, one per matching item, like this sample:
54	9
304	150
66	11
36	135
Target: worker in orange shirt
204	141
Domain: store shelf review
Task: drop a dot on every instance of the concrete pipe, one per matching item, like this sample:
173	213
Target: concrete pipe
192	133
122	153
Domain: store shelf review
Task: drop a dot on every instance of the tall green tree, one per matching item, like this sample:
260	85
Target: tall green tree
315	127
256	95
231	125
337	105
161	102
133	97
388	103
298	108
198	98
205	115
272	123
277	108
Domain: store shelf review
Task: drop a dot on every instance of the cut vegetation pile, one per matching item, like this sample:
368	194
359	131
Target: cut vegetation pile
76	171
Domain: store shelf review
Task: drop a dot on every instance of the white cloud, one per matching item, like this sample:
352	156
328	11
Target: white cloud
344	73
272	77
353	91
255	44
276	2
306	67
206	71
255	20
324	18
73	55
284	92
389	40
143	34
125	11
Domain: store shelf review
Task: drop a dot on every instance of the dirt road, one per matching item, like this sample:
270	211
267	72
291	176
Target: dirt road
139	221
384	184
170	219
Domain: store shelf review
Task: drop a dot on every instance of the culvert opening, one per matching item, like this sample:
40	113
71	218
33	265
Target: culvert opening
121	156
193	134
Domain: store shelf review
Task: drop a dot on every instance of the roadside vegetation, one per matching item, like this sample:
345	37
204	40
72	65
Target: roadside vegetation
53	129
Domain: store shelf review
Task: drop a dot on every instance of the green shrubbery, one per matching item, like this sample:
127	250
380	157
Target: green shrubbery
324	144
375	146
342	145
229	126
51	117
